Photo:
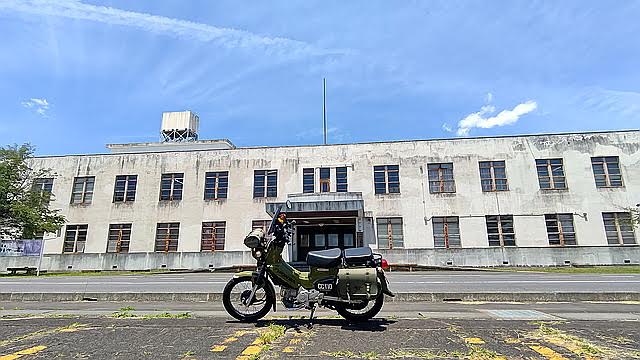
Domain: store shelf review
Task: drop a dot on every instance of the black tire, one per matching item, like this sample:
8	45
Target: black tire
345	312
269	300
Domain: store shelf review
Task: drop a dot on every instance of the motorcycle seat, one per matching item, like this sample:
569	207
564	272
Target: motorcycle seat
325	258
358	256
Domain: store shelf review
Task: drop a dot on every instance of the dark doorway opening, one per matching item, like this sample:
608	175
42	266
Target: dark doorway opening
322	234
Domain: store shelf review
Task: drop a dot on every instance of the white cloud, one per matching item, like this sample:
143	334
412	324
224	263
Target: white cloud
447	128
505	117
489	98
40	106
177	28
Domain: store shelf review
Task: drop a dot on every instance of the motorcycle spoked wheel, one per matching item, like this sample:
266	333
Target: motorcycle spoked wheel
236	294
361	312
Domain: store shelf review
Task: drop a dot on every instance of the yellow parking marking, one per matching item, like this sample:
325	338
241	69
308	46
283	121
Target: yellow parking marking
574	348
295	341
21	353
257	341
547	353
230	340
234	338
474	341
218	348
289	349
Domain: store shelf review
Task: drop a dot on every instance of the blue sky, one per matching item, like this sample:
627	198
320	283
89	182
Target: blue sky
75	75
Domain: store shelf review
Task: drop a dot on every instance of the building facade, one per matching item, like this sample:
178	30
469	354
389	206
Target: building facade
514	200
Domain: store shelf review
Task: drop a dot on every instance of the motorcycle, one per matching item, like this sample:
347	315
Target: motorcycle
351	282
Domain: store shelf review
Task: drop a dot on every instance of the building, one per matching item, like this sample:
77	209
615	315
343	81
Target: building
513	200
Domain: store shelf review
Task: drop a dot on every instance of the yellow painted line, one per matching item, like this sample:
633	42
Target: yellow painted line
569	346
257	342
218	348
474	341
547	353
230	340
289	349
21	353
252	350
295	341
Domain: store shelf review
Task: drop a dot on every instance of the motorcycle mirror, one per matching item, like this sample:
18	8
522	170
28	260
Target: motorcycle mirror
288	204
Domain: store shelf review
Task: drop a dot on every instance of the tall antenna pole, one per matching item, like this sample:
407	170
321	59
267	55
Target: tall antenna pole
324	108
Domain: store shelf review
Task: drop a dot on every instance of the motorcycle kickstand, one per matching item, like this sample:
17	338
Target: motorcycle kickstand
313	310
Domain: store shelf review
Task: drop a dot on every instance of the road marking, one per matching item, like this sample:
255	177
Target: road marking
218	348
234	338
230	340
474	341
547	353
574	348
520	315
250	352
21	353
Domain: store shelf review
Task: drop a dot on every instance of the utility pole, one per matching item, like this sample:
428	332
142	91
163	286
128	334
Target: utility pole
324	108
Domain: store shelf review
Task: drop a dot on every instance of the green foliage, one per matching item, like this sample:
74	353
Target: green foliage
23	212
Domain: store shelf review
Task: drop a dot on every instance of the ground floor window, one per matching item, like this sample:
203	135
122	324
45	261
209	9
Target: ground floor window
500	230
261	224
75	238
213	234
167	237
619	228
560	230
446	231
390	233
119	238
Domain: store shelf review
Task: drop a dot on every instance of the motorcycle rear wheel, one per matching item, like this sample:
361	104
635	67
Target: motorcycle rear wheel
236	293
358	315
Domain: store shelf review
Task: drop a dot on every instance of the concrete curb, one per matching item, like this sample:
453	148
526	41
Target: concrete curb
401	297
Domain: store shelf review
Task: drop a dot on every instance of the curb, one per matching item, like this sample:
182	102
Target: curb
400	297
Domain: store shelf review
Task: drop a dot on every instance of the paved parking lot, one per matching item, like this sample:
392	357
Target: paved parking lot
389	337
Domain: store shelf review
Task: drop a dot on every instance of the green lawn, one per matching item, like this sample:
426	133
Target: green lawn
628	269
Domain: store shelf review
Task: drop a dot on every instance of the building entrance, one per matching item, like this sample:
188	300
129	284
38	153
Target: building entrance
321	234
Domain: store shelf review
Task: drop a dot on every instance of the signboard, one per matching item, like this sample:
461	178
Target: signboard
20	247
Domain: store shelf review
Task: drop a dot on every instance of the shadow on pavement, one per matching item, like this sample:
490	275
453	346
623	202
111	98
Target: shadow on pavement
374	325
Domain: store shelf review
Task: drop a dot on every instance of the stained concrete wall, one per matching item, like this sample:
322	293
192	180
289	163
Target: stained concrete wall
414	204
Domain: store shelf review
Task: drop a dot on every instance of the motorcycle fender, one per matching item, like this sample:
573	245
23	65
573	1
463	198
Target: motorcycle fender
384	283
268	282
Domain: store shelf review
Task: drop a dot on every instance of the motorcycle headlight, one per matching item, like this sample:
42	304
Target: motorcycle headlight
257	254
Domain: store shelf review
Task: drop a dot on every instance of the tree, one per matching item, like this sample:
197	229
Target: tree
24	211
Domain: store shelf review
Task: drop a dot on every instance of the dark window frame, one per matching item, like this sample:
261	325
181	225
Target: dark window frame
216	185
449	239
308	180
167	237
171	186
43	186
124	188
212	236
394	240
121	234
441	178
561	229
386	179
77	235
265	184
494	182
551	172
502	237
342	180
85	194
622	228
611	171
324	178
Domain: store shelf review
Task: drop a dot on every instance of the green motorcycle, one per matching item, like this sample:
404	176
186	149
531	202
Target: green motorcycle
352	281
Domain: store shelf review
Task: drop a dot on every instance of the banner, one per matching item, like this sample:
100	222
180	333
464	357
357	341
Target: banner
20	247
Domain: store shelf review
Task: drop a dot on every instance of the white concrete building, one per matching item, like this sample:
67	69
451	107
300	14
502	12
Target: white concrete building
512	200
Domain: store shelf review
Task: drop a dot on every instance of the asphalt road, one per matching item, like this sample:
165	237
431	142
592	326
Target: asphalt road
505	334
404	282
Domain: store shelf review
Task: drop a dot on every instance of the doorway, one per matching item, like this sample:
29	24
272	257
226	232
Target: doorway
322	234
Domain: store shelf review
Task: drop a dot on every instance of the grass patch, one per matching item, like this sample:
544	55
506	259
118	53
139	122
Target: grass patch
272	333
371	355
420	354
627	269
125	313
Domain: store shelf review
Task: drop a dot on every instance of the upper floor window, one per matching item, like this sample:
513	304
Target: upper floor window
325	179
606	171
560	230
216	185
308	180
43	186
390	234
265	183
500	230
551	174
493	176
125	188
171	186
341	179
386	179
75	237
619	228
119	238
213	234
446	231
82	192
441	178
167	235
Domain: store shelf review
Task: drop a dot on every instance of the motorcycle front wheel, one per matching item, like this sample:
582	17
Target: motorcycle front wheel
237	303
364	312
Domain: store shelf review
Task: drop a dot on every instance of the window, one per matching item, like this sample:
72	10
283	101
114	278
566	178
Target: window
341	179
319	240
308	180
212	238
171	186
500	230
446	231
261	224
386	179
325	180
43	186
348	240
216	185
332	240
441	178
560	229
619	228
82	192
125	188
119	238
551	174
606	171
493	176
167	237
390	235
75	238
265	183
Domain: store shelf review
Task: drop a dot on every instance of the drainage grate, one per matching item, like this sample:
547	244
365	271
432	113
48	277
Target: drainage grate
521	315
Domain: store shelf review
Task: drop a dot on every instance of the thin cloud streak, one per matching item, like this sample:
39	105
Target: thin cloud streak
177	28
505	117
40	106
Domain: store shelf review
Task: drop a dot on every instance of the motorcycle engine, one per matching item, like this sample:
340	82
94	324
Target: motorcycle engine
297	299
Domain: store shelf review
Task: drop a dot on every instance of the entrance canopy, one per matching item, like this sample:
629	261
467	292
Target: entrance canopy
348	204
